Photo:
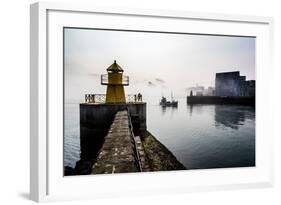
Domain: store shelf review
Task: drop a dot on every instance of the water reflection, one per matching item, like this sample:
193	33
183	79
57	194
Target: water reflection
166	109
190	110
195	109
227	117
232	116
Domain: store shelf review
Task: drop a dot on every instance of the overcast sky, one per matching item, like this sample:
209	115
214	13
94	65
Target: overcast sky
157	63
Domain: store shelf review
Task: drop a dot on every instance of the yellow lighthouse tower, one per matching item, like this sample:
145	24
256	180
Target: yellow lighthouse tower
115	82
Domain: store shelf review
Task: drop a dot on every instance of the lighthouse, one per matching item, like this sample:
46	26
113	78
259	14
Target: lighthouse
115	82
99	110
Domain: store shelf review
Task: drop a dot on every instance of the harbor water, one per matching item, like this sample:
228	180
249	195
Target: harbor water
200	136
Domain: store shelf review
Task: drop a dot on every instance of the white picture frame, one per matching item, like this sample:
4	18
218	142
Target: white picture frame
46	177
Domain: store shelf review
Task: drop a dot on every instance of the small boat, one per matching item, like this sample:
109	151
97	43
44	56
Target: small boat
165	103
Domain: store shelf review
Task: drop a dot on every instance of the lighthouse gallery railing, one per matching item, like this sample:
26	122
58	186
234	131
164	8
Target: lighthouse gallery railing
100	98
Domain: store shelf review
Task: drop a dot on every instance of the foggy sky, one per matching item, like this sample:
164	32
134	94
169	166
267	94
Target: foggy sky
156	63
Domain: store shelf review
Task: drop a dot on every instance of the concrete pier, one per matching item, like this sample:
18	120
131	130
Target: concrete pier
114	139
118	153
95	120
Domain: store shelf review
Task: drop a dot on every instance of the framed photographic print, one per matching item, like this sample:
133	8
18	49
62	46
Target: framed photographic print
127	102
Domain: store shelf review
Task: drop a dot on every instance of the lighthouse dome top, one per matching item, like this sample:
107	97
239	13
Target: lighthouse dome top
115	68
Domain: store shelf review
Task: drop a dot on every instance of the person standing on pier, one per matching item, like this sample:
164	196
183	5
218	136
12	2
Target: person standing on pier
139	97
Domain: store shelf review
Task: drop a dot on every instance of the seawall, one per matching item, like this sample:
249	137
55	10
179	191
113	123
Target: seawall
157	156
123	152
95	120
112	143
220	100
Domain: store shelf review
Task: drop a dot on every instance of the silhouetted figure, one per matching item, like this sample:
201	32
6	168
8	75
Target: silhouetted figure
89	98
191	93
139	97
135	97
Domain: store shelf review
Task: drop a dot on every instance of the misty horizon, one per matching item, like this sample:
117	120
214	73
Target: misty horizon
157	64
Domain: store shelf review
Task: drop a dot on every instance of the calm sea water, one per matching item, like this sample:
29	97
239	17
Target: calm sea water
200	136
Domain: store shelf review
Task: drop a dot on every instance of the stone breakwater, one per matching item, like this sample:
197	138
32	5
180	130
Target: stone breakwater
158	157
122	151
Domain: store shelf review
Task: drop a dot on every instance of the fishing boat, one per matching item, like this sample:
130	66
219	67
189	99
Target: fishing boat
165	103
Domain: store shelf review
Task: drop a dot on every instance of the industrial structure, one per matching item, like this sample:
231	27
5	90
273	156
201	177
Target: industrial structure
231	84
199	90
230	88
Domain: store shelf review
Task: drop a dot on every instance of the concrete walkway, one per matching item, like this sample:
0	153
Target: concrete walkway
117	154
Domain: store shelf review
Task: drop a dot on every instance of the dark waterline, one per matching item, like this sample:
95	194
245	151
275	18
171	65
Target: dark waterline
200	136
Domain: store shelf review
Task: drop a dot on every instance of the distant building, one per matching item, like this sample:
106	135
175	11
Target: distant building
232	84
210	91
228	84
250	88
198	90
199	93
